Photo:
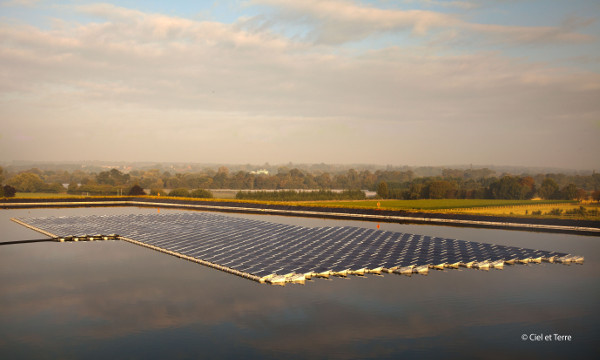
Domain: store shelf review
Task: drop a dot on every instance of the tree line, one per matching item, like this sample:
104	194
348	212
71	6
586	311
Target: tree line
400	184
293	195
507	187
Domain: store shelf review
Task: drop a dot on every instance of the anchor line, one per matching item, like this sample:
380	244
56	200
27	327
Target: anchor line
15	242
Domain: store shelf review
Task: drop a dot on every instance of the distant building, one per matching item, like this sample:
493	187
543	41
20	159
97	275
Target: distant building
260	172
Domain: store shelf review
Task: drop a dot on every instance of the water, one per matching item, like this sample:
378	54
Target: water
117	300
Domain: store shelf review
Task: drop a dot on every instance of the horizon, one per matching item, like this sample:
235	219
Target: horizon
207	165
272	81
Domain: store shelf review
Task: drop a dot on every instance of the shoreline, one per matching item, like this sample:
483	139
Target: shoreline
582	227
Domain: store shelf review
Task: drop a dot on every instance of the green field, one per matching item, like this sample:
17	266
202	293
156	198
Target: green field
433	204
521	208
25	195
423	204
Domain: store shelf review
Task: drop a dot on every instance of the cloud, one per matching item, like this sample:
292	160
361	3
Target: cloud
123	23
260	96
467	5
338	22
23	3
564	34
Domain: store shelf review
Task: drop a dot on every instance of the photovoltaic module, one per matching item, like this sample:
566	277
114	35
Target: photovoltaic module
277	253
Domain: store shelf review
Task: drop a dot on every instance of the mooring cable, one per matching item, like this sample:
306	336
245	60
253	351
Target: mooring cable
25	241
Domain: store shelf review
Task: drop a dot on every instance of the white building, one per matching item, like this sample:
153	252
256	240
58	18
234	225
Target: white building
259	172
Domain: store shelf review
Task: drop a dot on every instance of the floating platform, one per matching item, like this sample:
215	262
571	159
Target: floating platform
275	253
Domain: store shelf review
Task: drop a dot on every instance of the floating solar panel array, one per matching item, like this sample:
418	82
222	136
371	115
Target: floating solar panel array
278	253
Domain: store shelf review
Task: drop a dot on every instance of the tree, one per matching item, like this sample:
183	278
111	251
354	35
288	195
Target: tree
382	190
9	191
54	188
441	189
414	192
73	188
569	192
340	181
220	179
136	190
353	179
27	182
104	178
119	177
549	189
112	177
173	182
510	188
529	183
581	194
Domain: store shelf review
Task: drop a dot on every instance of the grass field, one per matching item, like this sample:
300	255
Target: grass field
435	204
529	210
24	195
520	208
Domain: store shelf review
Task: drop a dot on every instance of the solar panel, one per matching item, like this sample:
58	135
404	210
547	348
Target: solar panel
278	253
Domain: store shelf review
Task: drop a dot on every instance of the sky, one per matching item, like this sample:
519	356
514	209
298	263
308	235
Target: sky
407	82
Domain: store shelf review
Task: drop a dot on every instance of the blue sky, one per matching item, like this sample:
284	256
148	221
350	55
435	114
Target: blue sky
417	82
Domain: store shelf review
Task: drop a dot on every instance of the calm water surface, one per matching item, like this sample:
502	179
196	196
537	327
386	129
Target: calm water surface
99	300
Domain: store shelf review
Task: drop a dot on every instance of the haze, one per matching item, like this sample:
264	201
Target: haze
383	82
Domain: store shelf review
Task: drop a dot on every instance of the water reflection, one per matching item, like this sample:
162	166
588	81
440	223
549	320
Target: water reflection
114	299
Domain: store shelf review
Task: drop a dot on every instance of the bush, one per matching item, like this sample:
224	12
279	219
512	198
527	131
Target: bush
54	188
73	188
179	192
9	191
555	211
136	190
577	212
93	189
157	192
201	193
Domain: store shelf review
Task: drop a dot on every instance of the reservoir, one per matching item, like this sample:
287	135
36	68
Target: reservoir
114	299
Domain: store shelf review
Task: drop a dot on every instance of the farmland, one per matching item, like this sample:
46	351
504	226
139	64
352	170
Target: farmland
521	208
436	204
512	208
36	195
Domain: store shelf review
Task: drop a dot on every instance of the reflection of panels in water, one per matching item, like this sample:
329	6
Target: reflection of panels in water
279	253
